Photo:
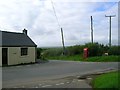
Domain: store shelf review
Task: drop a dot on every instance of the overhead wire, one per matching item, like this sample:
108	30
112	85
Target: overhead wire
55	14
59	26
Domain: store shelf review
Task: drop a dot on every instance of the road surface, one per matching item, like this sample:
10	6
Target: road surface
51	74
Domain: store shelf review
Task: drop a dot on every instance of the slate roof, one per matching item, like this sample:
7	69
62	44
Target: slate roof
12	39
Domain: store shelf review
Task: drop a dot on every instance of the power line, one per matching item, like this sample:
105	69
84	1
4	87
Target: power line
55	13
59	27
110	28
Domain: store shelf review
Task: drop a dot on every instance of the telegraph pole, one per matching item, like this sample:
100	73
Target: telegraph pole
110	29
59	26
91	29
63	41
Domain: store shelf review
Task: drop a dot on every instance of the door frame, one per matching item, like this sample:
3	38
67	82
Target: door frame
5	56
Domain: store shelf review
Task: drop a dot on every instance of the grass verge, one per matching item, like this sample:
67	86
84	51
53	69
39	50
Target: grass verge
90	59
107	81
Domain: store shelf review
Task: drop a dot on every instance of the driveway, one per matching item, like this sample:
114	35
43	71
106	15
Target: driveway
52	72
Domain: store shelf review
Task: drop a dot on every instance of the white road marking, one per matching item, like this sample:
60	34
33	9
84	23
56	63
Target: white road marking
40	84
60	84
28	65
36	87
80	80
18	66
57	84
67	82
89	78
47	86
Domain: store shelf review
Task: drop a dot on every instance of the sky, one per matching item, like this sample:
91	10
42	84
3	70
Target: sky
37	16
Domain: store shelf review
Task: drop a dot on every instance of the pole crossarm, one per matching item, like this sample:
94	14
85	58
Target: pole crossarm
110	16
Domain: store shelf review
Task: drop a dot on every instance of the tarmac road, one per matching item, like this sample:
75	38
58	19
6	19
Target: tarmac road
25	75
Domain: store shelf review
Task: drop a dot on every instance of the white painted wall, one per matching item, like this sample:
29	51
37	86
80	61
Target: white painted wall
14	55
0	68
0	56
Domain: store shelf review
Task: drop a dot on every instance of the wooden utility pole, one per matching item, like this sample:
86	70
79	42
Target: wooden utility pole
110	29
91	29
63	41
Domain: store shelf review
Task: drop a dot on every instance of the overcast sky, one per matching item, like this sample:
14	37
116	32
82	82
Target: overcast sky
37	16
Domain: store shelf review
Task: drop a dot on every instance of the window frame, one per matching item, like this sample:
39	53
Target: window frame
24	51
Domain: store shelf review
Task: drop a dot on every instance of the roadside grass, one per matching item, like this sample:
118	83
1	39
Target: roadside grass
104	59
89	59
107	81
69	58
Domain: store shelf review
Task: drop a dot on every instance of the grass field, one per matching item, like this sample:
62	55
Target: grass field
90	59
108	80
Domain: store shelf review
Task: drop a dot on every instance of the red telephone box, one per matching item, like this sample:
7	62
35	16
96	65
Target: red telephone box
85	53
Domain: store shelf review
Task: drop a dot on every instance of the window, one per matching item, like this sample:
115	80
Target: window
24	51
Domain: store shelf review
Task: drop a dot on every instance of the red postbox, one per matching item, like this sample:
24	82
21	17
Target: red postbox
85	52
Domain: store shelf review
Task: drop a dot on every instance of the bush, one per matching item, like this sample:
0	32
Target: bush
53	52
39	50
95	49
114	50
74	50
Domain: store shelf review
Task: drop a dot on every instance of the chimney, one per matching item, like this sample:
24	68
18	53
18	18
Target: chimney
25	31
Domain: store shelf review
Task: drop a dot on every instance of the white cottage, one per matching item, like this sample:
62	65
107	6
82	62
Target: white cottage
16	48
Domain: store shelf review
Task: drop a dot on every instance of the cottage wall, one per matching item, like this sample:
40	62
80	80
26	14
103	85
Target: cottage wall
0	56
14	55
0	68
